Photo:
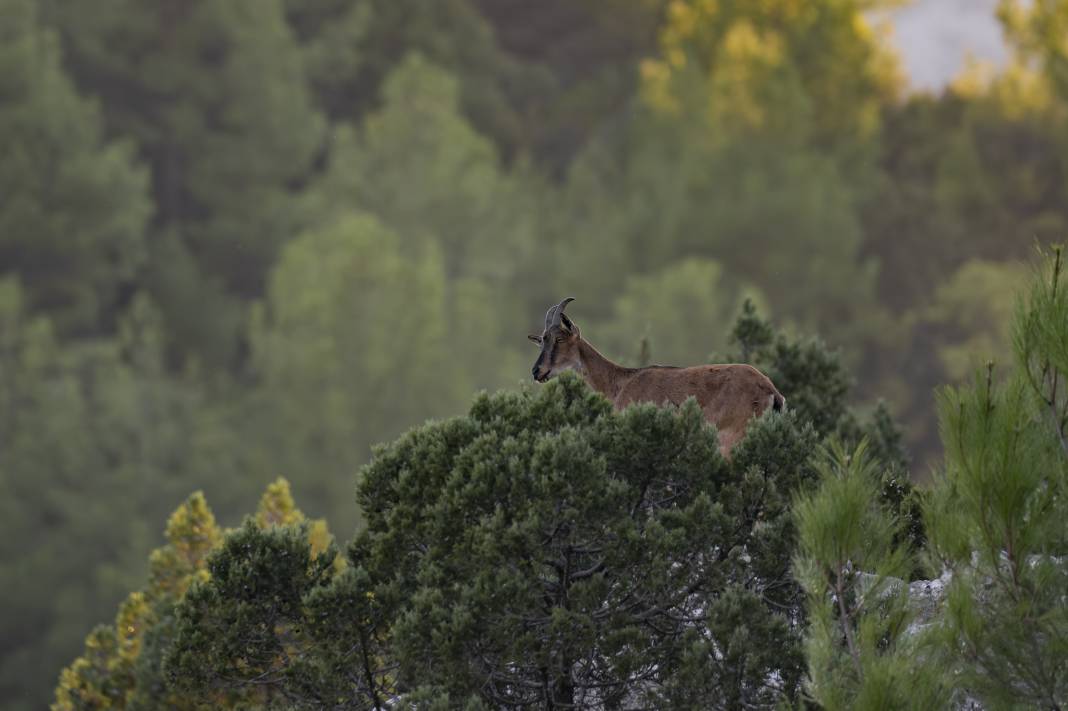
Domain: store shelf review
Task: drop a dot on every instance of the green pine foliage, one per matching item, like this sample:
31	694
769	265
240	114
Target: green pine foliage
996	515
352	339
550	551
851	562
214	96
818	386
239	635
994	521
74	205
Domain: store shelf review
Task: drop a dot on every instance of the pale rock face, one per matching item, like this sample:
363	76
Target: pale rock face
925	600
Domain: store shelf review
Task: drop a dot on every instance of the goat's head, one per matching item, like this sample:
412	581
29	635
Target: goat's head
559	344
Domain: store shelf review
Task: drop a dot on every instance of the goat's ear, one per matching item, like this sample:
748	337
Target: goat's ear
568	324
536	339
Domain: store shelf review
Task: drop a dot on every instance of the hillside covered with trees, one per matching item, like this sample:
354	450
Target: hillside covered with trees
249	240
547	551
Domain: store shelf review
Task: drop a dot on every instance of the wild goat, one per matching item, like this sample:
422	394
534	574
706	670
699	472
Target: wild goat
729	395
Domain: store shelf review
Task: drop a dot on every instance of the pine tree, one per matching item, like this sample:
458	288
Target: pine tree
53	458
74	205
214	96
715	192
123	666
350	347
350	50
333	36
996	514
537	80
852	559
118	669
419	165
279	621
579	60
551	551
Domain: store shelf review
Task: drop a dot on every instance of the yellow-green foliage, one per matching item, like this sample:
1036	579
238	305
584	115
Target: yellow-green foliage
191	535
752	58
105	676
1036	31
86	684
277	508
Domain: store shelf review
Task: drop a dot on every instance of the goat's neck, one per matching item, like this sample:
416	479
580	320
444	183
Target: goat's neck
601	374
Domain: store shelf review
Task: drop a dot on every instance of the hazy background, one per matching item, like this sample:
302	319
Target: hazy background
248	239
936	37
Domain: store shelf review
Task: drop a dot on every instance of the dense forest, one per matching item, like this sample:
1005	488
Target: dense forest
546	552
249	240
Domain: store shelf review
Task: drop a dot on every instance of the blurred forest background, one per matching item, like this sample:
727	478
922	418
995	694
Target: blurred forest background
252	238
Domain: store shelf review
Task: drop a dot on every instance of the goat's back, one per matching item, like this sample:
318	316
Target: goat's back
729	394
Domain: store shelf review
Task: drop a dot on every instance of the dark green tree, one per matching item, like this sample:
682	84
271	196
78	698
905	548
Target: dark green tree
663	307
215	98
968	181
419	166
538	81
551	551
350	48
580	59
335	38
817	388
74	206
967	175
245	630
778	213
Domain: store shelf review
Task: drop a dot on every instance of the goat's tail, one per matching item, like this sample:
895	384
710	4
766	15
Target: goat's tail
778	402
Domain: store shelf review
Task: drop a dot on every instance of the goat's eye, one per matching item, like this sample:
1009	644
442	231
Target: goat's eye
559	340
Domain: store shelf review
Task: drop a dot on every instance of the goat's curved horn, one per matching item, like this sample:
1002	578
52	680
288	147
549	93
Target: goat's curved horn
558	310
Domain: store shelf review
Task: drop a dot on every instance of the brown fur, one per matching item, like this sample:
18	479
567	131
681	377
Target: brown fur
730	395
